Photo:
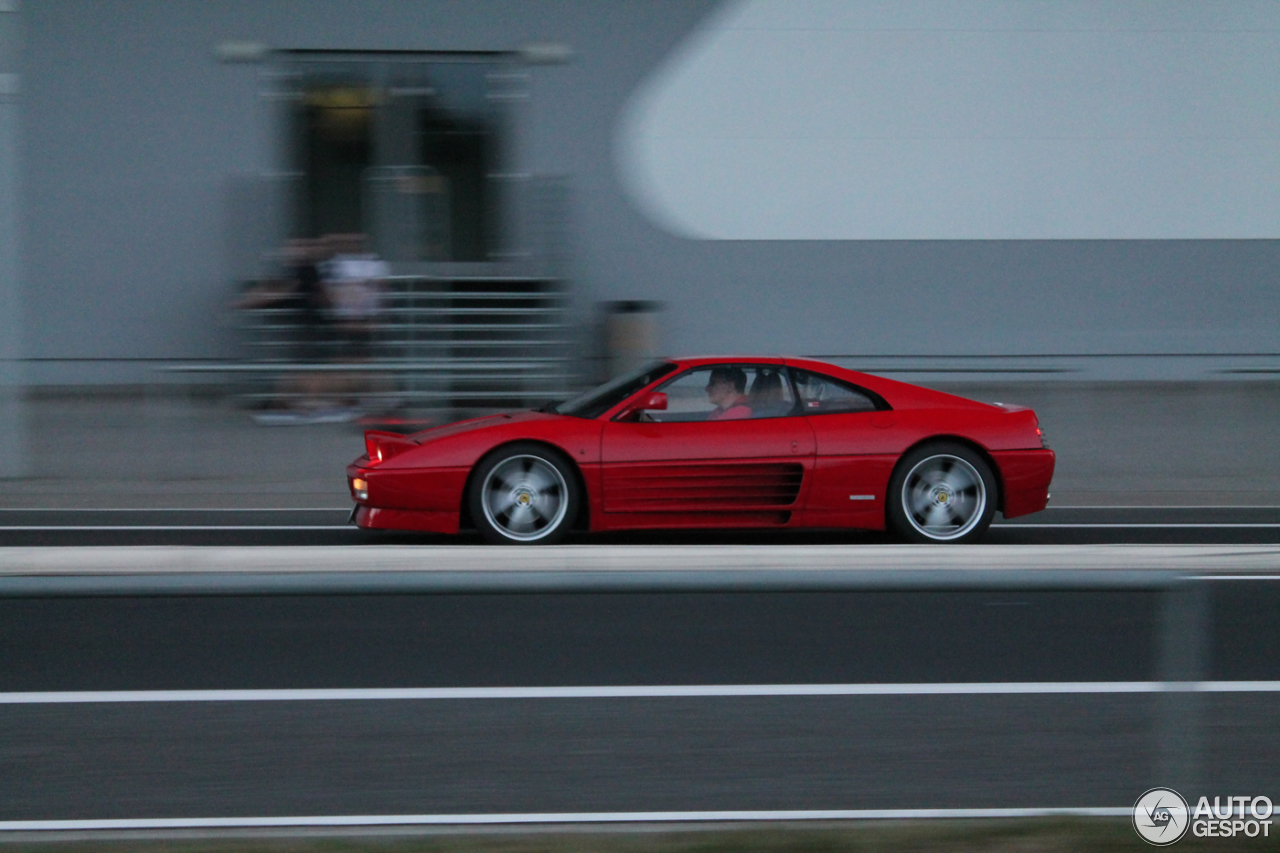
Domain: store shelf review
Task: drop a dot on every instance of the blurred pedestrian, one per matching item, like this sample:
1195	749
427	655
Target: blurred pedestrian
355	281
307	394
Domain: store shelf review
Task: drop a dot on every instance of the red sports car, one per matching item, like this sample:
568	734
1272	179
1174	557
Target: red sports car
716	443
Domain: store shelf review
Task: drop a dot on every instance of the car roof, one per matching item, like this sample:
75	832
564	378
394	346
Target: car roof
794	361
699	360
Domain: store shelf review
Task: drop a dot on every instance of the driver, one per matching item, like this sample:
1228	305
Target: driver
727	390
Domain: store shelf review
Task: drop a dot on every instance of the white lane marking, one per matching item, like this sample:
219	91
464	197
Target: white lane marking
643	691
555	817
172	509
30	528
1172	506
342	509
1065	525
37	528
1234	577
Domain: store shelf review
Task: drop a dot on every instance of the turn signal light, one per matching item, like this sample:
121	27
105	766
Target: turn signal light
381	446
360	489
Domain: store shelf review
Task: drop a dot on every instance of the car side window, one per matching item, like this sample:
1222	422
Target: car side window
726	392
821	395
686	401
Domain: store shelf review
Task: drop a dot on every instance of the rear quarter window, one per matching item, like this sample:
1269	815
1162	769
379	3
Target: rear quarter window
822	395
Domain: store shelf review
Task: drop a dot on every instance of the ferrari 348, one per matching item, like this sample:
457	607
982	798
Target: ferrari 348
716	443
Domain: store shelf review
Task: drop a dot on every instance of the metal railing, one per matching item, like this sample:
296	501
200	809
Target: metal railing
446	341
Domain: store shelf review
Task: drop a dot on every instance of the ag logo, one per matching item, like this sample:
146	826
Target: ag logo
1160	816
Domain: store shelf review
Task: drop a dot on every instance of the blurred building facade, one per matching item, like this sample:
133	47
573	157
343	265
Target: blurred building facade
159	150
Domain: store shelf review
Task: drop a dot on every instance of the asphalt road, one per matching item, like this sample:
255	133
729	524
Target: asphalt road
930	710
1054	526
256	642
170	754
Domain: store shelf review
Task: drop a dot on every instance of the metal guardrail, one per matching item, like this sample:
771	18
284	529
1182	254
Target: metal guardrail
496	340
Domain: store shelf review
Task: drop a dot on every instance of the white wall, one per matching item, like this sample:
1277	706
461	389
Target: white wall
965	119
134	138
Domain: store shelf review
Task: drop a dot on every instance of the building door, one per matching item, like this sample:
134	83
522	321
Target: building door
405	149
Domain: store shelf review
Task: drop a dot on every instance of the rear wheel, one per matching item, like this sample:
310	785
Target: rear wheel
524	494
941	492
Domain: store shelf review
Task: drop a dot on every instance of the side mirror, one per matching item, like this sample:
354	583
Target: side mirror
657	401
652	402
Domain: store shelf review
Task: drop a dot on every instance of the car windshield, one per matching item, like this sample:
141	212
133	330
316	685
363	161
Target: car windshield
597	401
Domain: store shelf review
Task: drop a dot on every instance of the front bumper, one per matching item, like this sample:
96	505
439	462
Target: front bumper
426	499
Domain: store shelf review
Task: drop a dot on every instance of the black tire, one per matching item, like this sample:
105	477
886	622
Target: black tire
941	493
524	494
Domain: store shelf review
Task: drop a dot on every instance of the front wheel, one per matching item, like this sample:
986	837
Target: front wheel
941	492
524	494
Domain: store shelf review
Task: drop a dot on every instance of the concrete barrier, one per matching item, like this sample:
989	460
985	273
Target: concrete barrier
393	568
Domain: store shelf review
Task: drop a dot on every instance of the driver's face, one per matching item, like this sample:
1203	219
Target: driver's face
719	391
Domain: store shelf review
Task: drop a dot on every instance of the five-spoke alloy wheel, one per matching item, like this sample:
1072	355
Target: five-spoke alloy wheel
941	492
524	493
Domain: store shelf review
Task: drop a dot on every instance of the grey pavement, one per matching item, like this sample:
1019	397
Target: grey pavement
162	447
1133	444
1155	443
